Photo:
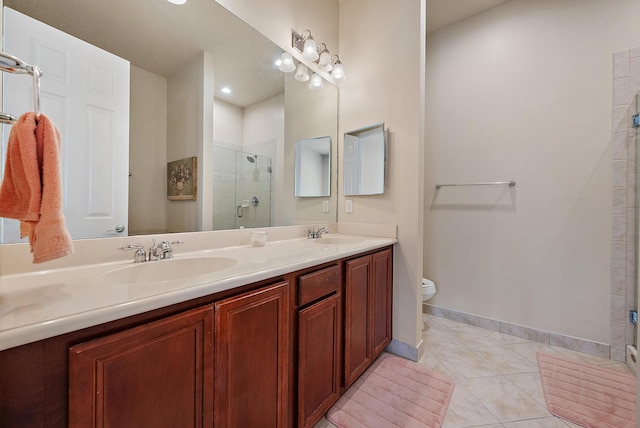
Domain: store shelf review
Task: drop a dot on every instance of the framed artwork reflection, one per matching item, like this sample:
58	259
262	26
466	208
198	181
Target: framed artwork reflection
182	176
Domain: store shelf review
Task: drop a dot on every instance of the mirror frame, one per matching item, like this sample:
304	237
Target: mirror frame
380	160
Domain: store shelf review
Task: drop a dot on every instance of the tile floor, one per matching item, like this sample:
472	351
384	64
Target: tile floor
497	378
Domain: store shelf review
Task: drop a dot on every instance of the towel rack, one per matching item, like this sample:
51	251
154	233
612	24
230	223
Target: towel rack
511	183
11	64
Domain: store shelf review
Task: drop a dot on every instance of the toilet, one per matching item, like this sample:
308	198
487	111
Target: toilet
428	289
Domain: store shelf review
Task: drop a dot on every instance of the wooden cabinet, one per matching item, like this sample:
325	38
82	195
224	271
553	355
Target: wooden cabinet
155	375
367	318
381	301
163	374
252	359
357	316
319	344
277	353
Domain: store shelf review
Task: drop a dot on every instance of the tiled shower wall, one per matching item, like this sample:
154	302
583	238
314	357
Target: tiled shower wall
626	84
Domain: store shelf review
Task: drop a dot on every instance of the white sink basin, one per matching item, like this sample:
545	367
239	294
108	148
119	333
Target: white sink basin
339	240
168	270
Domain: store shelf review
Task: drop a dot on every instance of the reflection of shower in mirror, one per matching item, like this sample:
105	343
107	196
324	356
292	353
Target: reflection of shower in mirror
256	173
239	177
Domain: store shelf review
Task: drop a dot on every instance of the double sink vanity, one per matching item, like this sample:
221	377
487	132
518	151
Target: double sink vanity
234	336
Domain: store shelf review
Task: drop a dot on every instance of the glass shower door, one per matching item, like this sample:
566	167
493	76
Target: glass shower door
253	190
242	189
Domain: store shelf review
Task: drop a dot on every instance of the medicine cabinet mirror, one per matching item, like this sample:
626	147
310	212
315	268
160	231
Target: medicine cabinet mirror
313	167
364	161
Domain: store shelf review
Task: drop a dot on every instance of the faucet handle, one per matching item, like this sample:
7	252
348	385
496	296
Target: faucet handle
139	256
129	247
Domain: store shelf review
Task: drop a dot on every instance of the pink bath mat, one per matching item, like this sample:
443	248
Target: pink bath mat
394	392
586	394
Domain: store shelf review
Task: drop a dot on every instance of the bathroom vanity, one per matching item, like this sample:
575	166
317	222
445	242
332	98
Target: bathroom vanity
274	352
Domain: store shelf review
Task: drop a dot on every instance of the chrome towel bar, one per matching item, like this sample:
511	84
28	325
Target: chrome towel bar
12	64
511	183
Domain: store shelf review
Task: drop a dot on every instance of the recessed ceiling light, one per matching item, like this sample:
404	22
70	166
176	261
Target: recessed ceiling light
225	90
177	1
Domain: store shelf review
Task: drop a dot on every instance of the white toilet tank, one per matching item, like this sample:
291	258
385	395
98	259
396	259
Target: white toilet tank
428	289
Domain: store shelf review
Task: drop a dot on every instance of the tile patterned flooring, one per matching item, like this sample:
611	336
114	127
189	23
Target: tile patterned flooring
497	379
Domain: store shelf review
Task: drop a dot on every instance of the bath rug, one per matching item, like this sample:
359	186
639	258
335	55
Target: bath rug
586	394
394	392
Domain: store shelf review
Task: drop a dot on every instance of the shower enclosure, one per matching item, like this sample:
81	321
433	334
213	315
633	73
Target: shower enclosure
242	188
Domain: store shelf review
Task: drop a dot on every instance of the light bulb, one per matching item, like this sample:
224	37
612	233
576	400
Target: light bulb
310	50
287	65
302	73
324	63
338	71
178	1
316	82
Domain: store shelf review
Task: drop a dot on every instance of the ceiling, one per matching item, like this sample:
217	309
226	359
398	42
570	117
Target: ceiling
441	13
161	37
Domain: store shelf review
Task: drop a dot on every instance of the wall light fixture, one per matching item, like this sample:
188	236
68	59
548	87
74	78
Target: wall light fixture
316	82
338	69
318	53
306	44
302	73
286	63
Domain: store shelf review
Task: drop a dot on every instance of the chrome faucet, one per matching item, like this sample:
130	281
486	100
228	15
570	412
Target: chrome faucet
314	233
162	250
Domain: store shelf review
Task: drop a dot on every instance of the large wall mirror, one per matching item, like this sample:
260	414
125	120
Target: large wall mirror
165	83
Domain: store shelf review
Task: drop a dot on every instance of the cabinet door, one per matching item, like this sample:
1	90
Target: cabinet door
357	345
155	375
252	358
318	359
382	280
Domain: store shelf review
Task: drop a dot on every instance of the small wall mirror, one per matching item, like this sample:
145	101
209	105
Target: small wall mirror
313	167
364	161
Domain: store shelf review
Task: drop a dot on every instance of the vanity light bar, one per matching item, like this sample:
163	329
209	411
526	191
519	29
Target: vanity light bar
318	53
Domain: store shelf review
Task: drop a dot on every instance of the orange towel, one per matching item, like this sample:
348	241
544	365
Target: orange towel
20	191
32	191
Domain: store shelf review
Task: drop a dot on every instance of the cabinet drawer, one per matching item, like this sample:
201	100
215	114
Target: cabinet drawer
318	284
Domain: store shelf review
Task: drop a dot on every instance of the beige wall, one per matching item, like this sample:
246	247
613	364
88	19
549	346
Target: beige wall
190	133
381	50
264	121
523	92
227	123
147	153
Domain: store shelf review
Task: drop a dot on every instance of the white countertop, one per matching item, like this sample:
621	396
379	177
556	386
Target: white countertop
39	305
